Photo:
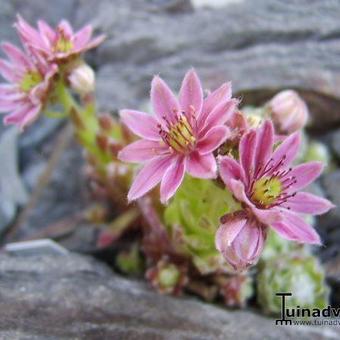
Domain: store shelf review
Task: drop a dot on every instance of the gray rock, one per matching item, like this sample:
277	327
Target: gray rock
330	222
71	296
6	19
51	12
335	143
65	195
12	191
332	268
40	132
247	42
330	183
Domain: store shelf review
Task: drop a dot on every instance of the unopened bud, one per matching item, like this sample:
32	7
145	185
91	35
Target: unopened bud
235	289
167	277
130	261
288	111
102	141
114	148
106	121
82	79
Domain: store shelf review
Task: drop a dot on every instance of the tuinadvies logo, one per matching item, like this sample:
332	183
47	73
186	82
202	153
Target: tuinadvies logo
289	314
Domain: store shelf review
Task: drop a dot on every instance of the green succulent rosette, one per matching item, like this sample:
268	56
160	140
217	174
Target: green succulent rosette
192	218
277	246
130	261
298	273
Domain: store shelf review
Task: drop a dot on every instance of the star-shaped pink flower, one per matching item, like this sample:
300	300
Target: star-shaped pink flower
59	43
27	88
180	137
269	189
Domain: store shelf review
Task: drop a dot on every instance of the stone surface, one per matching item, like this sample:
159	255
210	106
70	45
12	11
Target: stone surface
332	268
248	42
329	223
335	143
12	190
63	297
64	196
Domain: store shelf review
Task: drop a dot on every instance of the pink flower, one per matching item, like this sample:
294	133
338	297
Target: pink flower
179	138
288	111
240	239
26	92
269	188
56	44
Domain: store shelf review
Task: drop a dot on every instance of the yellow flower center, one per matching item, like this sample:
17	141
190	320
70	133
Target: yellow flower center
63	45
180	136
30	80
266	190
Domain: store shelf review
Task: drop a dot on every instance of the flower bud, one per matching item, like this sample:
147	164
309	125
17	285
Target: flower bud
130	261
235	289
82	79
106	122
102	141
240	238
288	111
167	277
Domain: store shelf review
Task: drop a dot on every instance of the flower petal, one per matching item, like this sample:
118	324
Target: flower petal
149	176
28	34
65	26
46	31
249	244
17	56
307	203
222	94
95	42
201	166
305	174
141	151
140	123
212	140
7	105
241	240
191	93
294	228
218	116
265	142
163	100
287	150
228	230
6	89
172	179
23	116
247	152
229	169
82	37
8	71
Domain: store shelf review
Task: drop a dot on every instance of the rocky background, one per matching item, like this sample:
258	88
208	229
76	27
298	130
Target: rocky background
261	46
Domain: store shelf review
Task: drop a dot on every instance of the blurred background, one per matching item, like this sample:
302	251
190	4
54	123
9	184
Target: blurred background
262	46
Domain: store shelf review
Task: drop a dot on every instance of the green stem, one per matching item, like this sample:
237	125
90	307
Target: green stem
66	99
55	114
